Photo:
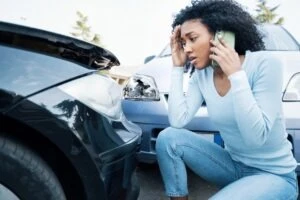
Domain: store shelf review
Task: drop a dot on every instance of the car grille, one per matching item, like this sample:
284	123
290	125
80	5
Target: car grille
154	135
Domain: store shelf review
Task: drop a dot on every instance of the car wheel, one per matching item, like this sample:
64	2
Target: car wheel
25	174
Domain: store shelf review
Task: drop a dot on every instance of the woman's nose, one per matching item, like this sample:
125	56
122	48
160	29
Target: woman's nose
187	48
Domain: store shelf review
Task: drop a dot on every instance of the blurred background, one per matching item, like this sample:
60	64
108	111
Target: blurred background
131	29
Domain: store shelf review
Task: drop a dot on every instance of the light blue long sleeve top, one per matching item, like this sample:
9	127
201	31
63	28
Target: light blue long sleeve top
249	117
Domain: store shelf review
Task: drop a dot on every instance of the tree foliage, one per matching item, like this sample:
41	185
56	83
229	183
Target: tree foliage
83	30
266	14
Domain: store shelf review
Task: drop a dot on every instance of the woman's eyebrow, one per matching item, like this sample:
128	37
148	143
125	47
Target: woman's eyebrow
188	34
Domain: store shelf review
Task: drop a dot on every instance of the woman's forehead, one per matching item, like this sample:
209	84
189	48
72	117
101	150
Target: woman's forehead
192	26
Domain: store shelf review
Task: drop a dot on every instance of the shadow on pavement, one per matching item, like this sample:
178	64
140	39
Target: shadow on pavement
151	185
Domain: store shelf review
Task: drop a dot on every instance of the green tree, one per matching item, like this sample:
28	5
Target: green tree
83	30
266	14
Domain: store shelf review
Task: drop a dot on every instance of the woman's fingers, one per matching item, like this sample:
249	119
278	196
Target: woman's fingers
223	54
178	55
221	44
177	32
175	38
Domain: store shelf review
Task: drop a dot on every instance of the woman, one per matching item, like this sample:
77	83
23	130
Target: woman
243	99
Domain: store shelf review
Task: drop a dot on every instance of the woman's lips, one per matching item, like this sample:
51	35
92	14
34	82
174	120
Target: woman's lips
193	61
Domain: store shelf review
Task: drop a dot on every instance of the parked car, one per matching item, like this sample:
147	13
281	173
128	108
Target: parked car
148	106
63	134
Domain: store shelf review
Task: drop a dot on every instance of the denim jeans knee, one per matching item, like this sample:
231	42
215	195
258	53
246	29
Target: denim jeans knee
178	148
171	165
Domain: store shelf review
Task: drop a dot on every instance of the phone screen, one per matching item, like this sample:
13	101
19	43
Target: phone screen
229	38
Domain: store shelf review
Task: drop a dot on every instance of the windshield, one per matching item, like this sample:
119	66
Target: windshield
276	38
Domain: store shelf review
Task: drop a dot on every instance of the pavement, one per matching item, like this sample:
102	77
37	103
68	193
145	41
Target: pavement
151	185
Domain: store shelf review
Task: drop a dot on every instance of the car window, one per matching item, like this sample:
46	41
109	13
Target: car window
276	38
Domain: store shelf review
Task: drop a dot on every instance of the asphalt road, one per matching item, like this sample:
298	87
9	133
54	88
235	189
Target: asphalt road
151	185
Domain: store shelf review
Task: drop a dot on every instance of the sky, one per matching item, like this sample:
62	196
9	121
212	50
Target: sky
131	29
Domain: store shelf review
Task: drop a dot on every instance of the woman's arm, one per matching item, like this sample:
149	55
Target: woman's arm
182	108
256	111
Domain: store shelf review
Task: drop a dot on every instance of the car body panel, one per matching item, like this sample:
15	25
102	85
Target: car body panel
61	46
99	151
25	77
79	134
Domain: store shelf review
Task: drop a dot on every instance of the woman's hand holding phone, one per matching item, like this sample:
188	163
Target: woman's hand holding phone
178	56
226	56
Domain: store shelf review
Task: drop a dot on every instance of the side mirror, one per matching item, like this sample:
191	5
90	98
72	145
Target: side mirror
149	58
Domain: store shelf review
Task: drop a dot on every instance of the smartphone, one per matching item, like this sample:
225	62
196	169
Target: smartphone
229	38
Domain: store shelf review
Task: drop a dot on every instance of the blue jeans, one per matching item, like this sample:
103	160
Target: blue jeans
178	148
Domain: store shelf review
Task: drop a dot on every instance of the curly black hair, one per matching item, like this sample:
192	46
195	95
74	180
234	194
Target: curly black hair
225	15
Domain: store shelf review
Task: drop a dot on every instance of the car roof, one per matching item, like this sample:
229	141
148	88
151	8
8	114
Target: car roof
58	45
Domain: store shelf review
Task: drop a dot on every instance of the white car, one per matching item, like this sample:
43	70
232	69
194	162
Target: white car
146	95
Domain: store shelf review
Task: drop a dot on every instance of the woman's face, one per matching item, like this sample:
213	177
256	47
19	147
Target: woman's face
196	42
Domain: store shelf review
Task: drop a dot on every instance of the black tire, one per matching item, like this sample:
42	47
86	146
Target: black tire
25	174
